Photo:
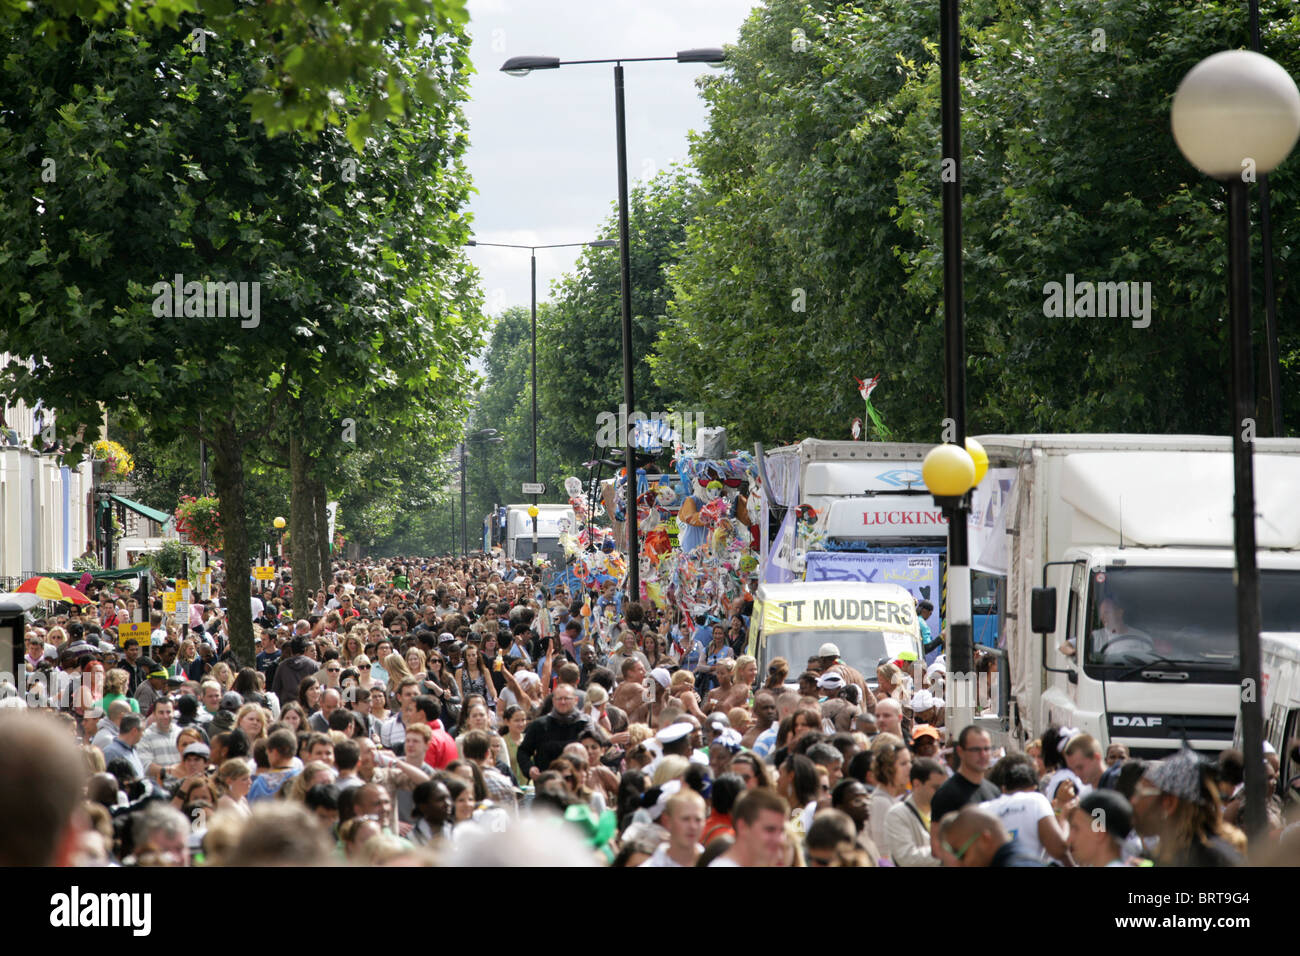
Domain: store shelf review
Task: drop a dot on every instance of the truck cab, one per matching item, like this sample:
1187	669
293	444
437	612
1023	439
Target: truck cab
1145	648
1119	594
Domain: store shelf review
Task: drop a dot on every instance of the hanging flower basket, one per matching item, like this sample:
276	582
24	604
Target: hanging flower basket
199	519
117	460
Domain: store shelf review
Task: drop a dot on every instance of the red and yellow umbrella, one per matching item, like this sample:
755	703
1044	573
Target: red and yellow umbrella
52	590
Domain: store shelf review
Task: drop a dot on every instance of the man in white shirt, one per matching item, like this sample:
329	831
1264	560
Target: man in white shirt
1026	814
759	818
157	748
683	818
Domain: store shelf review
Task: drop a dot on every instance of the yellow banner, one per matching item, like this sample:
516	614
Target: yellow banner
839	614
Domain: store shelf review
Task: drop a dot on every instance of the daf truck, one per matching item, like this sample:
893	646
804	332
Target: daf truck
1118	594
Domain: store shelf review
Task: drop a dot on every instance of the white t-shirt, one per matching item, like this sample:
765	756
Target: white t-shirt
661	857
1020	813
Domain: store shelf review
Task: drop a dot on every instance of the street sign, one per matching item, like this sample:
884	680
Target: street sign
534	488
139	631
205	584
169	601
182	613
266	573
183	586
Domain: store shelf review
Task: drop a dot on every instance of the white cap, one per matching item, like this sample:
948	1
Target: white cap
832	681
662	676
674	732
923	700
828	650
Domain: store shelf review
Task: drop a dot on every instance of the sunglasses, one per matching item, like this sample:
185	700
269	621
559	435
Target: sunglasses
958	854
363	667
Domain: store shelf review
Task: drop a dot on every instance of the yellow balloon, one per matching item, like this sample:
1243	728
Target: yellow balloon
532	511
278	522
980	457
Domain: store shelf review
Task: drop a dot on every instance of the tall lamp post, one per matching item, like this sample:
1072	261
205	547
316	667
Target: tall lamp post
1236	115
484	436
595	244
522	66
950	470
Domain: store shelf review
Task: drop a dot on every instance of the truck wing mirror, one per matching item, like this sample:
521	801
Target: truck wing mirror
1042	610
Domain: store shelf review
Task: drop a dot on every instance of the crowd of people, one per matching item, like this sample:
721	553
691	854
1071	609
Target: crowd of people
456	711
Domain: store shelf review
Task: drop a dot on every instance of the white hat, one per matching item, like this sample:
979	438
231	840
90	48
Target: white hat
832	681
923	700
940	666
662	676
828	650
674	732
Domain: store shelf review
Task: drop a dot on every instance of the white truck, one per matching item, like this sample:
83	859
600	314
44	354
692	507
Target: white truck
550	524
872	508
1128	542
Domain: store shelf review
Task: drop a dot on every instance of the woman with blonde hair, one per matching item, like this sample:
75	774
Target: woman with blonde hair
364	667
223	675
671	767
253	720
349	649
116	683
313	773
233	781
891	765
397	670
184	659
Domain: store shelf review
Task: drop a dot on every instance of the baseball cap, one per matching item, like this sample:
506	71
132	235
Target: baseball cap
1116	813
158	673
200	749
446	637
925	730
662	676
831	681
828	650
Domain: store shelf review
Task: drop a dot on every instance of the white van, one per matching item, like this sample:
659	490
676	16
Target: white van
867	622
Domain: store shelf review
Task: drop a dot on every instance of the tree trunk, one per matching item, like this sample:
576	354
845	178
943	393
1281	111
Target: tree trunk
228	473
322	532
302	548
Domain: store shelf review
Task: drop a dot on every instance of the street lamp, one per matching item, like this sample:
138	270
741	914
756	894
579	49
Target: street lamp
522	66
1236	115
950	472
594	244
484	436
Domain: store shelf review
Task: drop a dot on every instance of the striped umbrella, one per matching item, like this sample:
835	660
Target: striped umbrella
52	590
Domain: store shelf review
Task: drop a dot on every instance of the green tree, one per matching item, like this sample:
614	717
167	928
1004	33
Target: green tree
814	253
162	173
308	53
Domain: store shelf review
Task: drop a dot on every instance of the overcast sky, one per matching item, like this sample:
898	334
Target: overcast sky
542	147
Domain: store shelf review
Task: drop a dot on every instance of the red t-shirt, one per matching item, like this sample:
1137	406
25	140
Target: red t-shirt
442	748
717	825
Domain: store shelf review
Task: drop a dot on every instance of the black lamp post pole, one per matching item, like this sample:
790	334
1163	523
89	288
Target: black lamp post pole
1243	473
625	279
960	649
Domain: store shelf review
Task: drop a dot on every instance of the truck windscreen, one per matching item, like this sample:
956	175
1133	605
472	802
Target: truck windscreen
1177	617
862	650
